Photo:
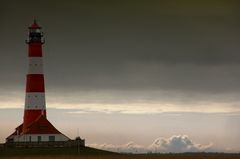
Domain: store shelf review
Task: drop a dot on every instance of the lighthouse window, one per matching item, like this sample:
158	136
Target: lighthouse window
39	138
51	138
35	30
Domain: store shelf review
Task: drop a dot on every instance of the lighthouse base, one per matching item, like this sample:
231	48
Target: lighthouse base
40	130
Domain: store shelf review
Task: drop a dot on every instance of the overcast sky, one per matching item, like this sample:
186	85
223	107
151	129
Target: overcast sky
130	60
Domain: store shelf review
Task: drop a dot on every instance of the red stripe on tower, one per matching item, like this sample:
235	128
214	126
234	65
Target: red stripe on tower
30	116
35	50
35	89
35	83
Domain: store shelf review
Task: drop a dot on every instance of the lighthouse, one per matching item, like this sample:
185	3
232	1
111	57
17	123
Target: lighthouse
35	126
35	104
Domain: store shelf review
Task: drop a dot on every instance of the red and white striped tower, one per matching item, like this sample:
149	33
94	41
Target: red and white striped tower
35	104
35	126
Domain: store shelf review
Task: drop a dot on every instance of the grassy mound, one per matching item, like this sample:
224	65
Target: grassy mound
46	151
92	153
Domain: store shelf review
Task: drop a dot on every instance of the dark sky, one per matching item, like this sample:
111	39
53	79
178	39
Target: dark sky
131	46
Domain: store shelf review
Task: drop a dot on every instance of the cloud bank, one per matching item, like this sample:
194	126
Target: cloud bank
174	144
178	144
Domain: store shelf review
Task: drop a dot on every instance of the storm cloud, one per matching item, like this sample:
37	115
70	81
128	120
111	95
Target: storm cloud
134	45
130	52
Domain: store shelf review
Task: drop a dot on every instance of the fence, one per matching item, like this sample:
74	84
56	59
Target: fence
2	145
70	143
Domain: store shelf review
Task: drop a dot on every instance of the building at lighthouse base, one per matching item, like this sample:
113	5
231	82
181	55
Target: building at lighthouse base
40	130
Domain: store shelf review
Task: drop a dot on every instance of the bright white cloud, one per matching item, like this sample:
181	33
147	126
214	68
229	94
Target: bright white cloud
131	108
121	102
147	108
180	143
175	144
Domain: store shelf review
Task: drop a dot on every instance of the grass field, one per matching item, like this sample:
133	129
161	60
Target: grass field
90	153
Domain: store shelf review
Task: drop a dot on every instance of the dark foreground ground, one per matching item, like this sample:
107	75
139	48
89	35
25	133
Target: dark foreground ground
176	156
90	153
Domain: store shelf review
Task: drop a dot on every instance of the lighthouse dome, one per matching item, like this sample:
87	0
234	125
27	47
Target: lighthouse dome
34	25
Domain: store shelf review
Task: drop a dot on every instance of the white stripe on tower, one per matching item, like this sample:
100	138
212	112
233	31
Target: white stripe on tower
35	101
35	65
